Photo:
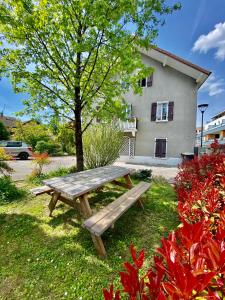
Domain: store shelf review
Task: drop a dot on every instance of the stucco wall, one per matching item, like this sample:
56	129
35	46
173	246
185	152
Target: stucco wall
168	85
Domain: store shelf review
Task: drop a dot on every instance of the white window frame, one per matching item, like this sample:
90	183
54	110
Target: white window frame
167	113
160	138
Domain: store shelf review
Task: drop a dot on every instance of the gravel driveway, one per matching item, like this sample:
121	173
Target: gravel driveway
22	168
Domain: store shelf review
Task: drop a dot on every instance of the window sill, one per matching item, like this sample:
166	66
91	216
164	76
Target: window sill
160	157
161	121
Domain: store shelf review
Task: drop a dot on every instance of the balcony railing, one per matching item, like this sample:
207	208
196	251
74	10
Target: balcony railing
129	125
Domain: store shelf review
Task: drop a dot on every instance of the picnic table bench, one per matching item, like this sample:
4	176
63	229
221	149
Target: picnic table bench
105	218
73	190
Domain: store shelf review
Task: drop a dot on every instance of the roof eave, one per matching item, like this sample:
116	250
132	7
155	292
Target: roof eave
199	74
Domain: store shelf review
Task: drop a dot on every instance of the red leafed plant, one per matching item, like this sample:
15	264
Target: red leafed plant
190	264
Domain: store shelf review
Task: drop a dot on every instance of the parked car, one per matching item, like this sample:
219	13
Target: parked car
17	149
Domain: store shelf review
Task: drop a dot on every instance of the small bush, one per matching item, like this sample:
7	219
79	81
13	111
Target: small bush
144	174
102	145
40	160
5	169
159	179
49	147
8	190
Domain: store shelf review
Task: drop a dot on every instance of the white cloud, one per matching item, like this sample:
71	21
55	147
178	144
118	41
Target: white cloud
213	86
215	39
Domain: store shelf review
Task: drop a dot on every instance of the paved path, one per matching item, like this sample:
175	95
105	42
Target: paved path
23	168
168	172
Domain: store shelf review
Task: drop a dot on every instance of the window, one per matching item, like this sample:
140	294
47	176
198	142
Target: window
160	148
14	144
146	82
162	111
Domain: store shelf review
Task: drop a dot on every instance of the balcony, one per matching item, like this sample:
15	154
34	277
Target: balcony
130	125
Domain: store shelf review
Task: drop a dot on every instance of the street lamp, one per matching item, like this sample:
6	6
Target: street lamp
202	108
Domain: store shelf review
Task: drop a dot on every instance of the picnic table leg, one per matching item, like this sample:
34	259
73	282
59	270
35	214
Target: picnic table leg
53	201
130	185
97	240
128	181
85	207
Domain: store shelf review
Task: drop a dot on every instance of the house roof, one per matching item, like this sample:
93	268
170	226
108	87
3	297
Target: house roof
220	114
186	67
9	122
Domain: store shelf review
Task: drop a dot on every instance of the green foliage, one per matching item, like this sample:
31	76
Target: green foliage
69	55
144	174
4	166
50	147
35	178
159	180
8	190
4	134
40	160
102	145
31	133
66	138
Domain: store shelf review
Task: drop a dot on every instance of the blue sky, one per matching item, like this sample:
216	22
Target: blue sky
196	33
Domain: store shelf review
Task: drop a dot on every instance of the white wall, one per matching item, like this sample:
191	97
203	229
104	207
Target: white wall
168	85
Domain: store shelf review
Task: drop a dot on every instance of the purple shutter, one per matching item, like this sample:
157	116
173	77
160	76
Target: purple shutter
153	112
150	80
160	148
170	111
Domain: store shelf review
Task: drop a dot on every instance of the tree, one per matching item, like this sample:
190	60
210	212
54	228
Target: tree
71	56
4	134
65	136
30	133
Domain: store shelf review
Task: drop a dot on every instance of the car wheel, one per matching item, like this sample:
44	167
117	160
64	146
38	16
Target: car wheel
23	156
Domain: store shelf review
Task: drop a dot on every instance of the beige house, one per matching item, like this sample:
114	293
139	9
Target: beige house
162	121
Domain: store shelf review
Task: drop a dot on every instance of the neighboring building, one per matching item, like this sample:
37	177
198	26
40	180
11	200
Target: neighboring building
9	122
161	123
213	130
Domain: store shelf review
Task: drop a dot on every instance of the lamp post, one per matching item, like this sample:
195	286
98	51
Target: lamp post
202	108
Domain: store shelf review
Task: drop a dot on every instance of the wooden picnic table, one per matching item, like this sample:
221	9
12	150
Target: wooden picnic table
75	187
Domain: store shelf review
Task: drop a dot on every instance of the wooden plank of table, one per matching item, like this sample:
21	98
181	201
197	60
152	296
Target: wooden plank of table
77	184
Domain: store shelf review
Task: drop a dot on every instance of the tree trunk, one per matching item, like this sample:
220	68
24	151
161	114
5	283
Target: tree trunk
78	109
78	139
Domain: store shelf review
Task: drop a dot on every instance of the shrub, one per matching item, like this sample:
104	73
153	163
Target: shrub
102	145
191	261
49	147
31	133
158	179
144	174
8	190
40	160
37	179
4	134
4	167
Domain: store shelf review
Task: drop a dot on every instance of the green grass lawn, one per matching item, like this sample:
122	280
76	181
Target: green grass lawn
54	258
